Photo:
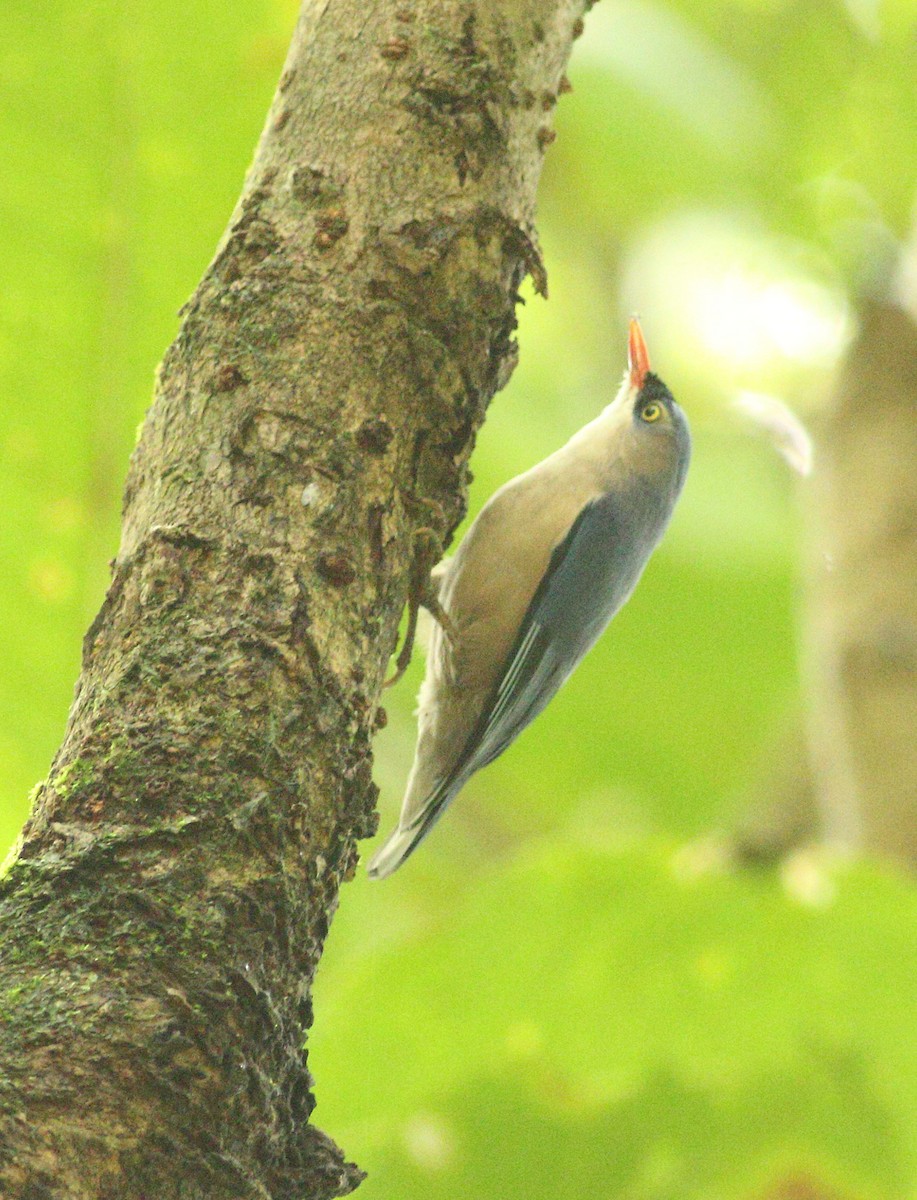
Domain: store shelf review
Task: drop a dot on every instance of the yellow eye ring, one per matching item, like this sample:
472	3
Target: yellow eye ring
651	412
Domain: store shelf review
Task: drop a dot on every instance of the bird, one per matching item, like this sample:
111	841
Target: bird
546	564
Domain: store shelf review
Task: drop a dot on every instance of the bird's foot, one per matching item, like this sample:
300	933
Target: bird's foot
440	616
423	593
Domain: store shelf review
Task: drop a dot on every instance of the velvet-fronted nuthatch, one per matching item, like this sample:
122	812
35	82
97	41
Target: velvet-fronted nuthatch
547	563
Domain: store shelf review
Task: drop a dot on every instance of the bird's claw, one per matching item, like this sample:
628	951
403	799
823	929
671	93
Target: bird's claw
424	593
404	657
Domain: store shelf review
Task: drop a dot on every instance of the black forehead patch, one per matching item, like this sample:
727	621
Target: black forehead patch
654	389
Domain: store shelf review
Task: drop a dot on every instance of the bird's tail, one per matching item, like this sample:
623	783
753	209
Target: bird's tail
394	852
406	838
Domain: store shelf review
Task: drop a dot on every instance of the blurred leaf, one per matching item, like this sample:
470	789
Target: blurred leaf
747	103
613	1001
126	130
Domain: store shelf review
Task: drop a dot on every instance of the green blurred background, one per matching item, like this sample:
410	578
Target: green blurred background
566	993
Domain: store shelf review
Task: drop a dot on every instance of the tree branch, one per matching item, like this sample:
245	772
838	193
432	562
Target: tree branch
167	905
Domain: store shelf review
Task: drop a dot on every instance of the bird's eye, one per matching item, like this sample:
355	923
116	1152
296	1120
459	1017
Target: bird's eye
651	412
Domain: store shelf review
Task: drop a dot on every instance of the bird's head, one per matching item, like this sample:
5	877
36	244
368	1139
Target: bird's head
659	439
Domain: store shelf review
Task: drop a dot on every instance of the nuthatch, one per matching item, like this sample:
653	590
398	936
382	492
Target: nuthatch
547	563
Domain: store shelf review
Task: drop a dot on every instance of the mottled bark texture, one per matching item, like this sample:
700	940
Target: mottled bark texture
847	774
164	915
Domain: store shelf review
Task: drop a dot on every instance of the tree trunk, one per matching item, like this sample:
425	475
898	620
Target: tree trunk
847	775
862	616
165	909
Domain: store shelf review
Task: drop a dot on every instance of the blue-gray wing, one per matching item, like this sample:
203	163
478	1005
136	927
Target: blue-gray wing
522	691
590	574
569	610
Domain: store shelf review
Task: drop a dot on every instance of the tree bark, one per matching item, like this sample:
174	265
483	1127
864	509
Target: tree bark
165	909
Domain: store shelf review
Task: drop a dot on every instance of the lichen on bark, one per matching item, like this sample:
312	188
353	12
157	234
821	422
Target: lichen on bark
170	895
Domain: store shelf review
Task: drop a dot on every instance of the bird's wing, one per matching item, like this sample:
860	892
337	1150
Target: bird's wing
535	669
536	666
